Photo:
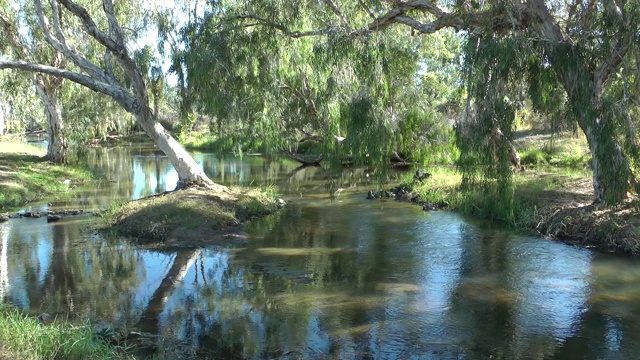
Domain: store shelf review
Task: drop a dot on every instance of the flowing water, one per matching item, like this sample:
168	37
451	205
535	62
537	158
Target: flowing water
333	275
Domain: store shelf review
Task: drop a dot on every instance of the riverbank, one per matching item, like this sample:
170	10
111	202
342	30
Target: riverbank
25	176
556	204
191	217
23	337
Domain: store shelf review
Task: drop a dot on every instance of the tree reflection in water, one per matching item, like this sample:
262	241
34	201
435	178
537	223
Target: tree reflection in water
338	277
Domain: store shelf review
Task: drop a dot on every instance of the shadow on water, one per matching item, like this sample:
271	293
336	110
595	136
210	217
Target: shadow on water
328	277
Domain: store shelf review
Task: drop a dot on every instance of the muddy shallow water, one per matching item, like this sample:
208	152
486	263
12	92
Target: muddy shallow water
332	276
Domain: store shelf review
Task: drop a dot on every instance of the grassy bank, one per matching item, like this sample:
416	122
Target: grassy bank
227	143
189	217
22	337
26	177
550	202
536	191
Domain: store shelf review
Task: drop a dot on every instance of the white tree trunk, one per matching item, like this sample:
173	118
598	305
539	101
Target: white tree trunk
4	267
3	125
189	172
57	148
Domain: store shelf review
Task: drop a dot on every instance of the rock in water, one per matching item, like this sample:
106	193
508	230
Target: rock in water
52	218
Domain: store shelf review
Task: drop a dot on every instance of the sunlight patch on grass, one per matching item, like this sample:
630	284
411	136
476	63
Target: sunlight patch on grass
26	177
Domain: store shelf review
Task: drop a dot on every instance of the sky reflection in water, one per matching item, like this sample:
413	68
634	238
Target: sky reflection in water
329	277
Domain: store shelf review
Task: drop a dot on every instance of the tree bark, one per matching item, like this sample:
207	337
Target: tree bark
58	143
189	172
611	170
3	125
585	88
4	267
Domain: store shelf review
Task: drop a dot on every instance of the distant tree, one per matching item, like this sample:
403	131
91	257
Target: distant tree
117	75
48	88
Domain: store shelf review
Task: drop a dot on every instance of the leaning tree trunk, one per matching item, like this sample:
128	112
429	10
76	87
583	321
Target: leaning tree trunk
57	148
585	88
189	172
149	320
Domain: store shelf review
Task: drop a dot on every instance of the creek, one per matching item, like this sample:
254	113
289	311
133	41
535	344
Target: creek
333	275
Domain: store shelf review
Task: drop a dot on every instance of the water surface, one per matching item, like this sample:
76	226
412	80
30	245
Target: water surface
332	276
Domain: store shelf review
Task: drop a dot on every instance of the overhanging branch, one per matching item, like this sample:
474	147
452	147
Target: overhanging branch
493	20
121	95
285	30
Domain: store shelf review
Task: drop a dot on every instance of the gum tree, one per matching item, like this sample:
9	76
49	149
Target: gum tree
117	75
589	48
335	96
47	87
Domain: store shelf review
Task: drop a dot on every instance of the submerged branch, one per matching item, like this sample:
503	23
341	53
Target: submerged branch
304	160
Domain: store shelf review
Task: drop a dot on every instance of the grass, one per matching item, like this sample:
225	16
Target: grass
561	150
230	142
188	217
23	337
533	190
26	177
200	141
555	202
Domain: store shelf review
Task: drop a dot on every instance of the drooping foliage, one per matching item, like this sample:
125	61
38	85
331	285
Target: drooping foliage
571	77
493	77
380	92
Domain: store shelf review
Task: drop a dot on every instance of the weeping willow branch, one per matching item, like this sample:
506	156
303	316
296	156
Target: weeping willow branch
307	161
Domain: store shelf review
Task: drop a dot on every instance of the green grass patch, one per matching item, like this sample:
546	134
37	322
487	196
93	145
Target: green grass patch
440	188
202	141
562	150
534	192
23	337
232	142
188	216
26	177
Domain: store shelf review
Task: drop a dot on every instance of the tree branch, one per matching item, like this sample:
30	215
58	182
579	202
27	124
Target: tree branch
285	30
115	45
339	14
115	31
61	45
476	22
612	64
366	8
12	34
92	28
481	21
121	95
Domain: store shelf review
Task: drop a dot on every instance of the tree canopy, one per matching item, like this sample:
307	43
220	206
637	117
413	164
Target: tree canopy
513	50
355	78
